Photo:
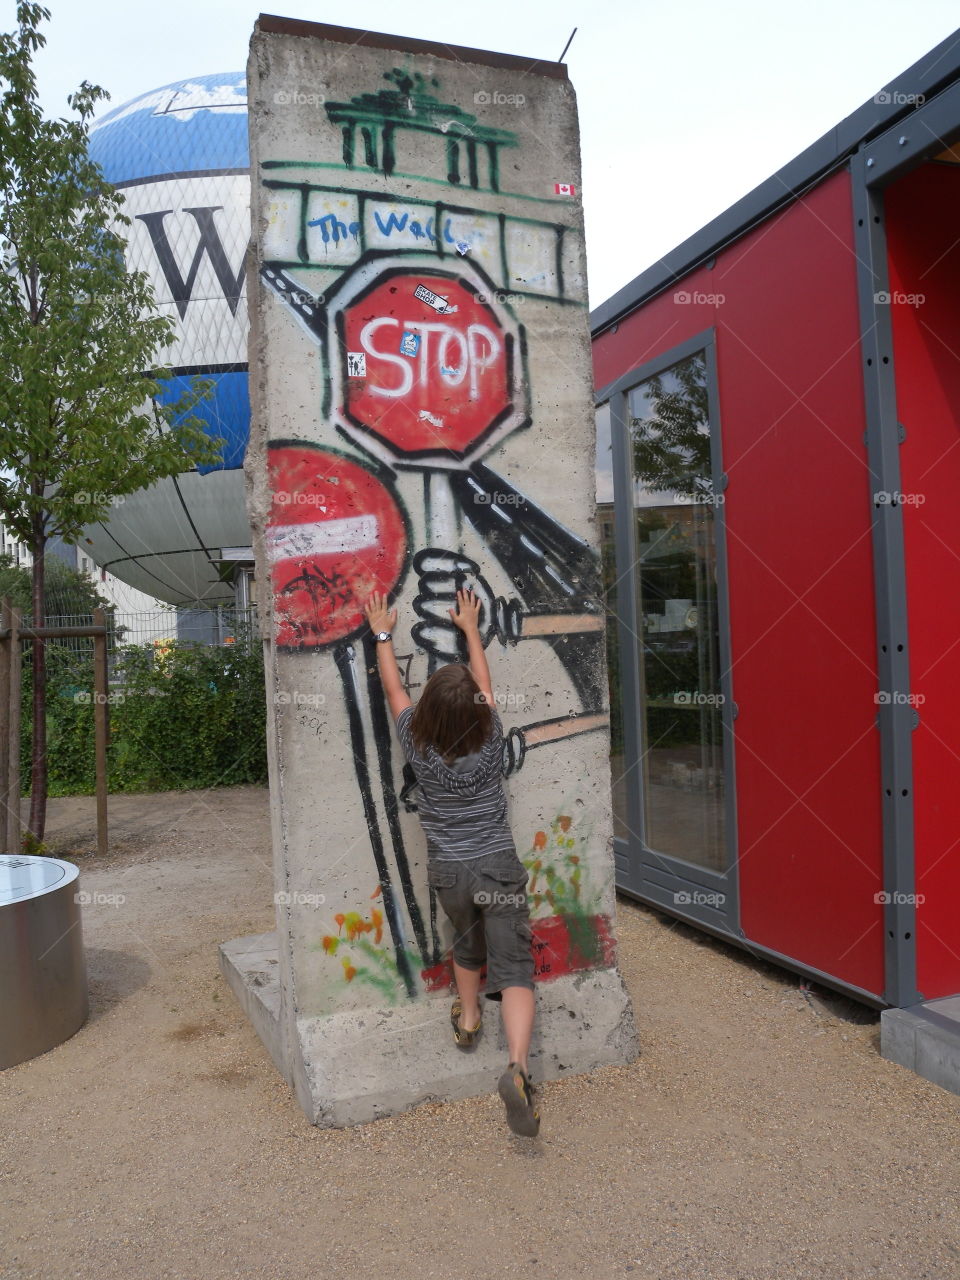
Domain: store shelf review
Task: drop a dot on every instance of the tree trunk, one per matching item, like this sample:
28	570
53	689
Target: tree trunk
38	769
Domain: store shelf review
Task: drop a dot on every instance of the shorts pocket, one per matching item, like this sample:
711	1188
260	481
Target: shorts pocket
440	877
508	871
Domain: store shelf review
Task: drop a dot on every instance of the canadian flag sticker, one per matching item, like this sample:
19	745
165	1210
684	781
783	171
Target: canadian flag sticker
564	189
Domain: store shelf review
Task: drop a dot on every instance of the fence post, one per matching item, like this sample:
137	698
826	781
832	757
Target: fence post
100	726
6	649
11	813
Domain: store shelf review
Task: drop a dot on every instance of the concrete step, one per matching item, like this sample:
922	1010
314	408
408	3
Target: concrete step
251	967
926	1038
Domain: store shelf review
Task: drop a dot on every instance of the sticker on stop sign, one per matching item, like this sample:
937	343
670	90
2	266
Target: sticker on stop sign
335	534
442	362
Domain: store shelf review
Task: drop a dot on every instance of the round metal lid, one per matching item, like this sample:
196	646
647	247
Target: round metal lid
23	876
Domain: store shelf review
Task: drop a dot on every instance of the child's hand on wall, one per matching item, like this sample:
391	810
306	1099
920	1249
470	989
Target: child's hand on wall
467	613
380	616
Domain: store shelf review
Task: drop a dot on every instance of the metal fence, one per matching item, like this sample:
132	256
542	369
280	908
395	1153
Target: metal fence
221	626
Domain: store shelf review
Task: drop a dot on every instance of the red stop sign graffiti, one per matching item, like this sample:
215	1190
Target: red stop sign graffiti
428	366
335	534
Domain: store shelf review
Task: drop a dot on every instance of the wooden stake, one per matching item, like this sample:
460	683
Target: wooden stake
13	824
6	647
100	727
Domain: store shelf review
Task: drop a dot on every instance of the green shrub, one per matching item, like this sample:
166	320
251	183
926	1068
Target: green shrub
187	716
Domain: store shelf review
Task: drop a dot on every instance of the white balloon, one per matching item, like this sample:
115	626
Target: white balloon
179	154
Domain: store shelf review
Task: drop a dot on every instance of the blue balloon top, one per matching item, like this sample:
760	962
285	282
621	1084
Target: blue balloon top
189	126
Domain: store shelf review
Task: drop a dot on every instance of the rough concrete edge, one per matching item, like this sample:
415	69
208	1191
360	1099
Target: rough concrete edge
261	1002
256	484
898	1038
411	47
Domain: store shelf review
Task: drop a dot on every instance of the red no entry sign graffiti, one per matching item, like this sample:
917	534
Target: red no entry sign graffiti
427	365
335	534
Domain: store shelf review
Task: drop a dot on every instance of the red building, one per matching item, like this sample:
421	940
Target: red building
779	419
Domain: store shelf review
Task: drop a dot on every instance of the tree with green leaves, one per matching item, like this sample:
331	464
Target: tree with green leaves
671	438
81	343
67	591
67	594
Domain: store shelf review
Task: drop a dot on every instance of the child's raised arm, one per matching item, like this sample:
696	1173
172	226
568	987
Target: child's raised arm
382	621
467	617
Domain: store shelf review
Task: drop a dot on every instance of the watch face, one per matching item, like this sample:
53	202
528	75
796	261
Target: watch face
383	635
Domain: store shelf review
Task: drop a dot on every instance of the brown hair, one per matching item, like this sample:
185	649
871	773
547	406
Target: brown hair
452	715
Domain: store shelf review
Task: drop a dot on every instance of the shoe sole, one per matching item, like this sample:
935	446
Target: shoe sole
521	1117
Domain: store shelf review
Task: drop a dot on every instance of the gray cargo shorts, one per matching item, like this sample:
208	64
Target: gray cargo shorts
486	902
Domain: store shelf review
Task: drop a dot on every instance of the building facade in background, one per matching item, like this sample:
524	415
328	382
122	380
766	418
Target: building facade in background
778	429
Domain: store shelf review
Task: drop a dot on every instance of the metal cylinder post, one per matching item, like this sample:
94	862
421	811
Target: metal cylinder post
45	998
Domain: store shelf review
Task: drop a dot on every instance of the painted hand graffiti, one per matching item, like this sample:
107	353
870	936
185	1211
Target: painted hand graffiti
440	575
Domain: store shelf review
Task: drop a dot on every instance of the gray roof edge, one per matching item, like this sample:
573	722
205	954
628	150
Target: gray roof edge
934	71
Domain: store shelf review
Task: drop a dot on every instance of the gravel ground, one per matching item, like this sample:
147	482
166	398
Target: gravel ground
759	1134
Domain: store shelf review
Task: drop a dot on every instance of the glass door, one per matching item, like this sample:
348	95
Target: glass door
668	430
672	750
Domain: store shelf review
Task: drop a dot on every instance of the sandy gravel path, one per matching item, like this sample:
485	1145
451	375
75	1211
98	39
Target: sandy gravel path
759	1135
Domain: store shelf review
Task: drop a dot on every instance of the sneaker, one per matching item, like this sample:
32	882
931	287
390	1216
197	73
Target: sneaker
517	1091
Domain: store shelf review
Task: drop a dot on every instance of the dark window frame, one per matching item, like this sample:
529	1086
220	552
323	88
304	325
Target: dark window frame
642	871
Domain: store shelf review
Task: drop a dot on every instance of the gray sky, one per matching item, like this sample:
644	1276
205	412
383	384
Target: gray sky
684	106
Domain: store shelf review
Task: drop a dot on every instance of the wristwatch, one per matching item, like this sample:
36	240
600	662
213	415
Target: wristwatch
383	635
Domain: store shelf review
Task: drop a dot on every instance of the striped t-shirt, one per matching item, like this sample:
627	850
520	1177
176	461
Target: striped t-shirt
462	806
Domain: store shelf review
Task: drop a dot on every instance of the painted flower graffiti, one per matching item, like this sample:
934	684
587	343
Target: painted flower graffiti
363	954
570	933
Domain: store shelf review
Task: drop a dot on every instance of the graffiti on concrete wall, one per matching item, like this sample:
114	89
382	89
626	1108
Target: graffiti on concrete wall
412	306
371	122
570	931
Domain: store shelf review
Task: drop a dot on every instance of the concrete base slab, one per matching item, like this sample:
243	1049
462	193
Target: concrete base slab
251	967
926	1038
365	1064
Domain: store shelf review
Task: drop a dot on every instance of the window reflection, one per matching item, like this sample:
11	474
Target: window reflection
675	505
604	482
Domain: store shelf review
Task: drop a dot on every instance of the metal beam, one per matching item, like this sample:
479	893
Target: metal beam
896	716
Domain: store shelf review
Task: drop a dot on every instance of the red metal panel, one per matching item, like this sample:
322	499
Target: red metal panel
784	305
921	217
